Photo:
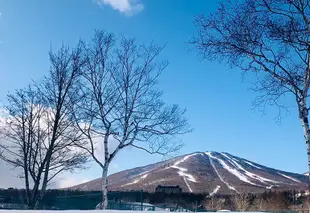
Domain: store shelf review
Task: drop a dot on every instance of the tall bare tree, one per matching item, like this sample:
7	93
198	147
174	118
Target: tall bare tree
122	104
270	38
39	135
60	90
18	132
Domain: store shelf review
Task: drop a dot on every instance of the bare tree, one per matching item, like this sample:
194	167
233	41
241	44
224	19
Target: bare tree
242	201
122	104
39	135
213	203
259	204
273	202
268	37
264	204
18	132
60	90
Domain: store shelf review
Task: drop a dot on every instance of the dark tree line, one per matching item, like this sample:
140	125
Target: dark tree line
67	199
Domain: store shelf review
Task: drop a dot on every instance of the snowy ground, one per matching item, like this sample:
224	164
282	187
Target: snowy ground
67	211
80	211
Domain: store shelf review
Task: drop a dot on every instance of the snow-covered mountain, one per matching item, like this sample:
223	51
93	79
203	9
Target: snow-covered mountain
202	172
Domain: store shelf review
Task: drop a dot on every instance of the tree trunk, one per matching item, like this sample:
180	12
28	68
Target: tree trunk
303	116
41	192
48	159
104	202
104	187
27	184
34	193
35	189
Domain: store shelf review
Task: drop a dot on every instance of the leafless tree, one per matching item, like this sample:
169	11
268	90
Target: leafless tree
259	204
263	204
122	104
275	202
268	37
242	201
18	132
38	134
213	203
60	90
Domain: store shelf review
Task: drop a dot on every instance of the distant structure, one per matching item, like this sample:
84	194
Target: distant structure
169	189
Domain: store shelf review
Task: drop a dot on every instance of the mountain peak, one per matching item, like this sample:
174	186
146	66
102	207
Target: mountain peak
203	172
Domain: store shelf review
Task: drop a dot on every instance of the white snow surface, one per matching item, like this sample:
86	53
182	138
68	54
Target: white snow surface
252	164
81	211
137	180
291	178
211	157
144	176
234	171
247	173
133	182
217	188
183	171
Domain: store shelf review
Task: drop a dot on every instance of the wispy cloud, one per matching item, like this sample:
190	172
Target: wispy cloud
69	181
10	178
128	7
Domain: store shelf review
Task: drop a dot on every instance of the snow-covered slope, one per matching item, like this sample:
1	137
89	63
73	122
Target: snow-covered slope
201	172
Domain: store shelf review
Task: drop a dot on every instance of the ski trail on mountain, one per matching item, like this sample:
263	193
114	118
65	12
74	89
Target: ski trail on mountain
217	188
234	172
218	174
182	171
247	173
252	164
288	177
137	180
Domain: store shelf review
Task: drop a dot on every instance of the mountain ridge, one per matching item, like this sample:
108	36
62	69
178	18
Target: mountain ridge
202	172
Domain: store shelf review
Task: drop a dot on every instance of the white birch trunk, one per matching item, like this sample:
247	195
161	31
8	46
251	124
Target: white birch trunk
303	116
104	187
104	202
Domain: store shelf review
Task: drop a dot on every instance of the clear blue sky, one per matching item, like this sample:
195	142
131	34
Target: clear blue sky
218	101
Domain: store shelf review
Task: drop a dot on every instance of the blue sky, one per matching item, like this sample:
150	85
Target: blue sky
217	99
